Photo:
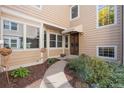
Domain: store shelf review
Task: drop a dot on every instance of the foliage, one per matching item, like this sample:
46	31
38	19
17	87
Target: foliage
106	15
118	76
20	72
77	64
95	71
51	60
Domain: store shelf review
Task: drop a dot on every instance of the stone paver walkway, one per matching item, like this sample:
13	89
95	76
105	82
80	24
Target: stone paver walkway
55	77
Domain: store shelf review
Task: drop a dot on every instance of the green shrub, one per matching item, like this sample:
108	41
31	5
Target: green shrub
20	72
93	71
51	60
118	77
77	64
101	73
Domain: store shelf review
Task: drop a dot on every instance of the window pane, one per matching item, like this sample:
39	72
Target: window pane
52	44
32	37
52	37
59	43
105	14
52	40
74	11
13	26
60	38
13	41
111	14
106	52
13	45
6	43
66	41
6	24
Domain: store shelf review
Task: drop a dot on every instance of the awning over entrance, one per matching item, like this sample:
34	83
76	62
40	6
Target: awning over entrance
78	29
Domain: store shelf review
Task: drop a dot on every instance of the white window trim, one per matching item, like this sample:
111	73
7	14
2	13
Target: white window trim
59	41
10	38
10	28
56	40
39	38
65	42
24	32
115	52
72	19
115	18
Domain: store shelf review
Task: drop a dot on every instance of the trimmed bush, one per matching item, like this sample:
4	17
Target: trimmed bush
94	71
20	72
118	77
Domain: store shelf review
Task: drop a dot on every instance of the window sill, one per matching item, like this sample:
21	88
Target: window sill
56	48
20	50
106	26
109	58
74	19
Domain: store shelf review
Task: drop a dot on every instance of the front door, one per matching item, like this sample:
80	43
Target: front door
74	43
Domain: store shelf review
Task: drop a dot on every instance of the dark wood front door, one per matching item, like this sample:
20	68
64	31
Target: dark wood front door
74	44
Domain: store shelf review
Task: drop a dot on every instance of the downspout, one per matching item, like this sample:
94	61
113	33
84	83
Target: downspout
122	39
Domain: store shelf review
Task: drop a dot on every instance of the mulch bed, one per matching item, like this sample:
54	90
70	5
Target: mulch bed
74	80
36	72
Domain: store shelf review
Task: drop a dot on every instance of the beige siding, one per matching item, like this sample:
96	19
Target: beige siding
55	52
67	51
24	57
55	14
92	36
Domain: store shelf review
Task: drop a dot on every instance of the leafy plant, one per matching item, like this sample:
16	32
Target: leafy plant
118	76
93	71
20	72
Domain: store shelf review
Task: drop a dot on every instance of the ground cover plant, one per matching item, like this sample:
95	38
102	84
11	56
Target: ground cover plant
23	77
97	72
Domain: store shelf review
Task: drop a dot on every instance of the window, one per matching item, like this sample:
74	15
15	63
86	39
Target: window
106	15
59	41
52	40
74	12
10	25
13	26
6	43
66	41
12	42
45	39
32	37
6	24
12	38
108	52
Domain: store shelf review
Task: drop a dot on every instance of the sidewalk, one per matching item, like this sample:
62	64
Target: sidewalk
55	77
